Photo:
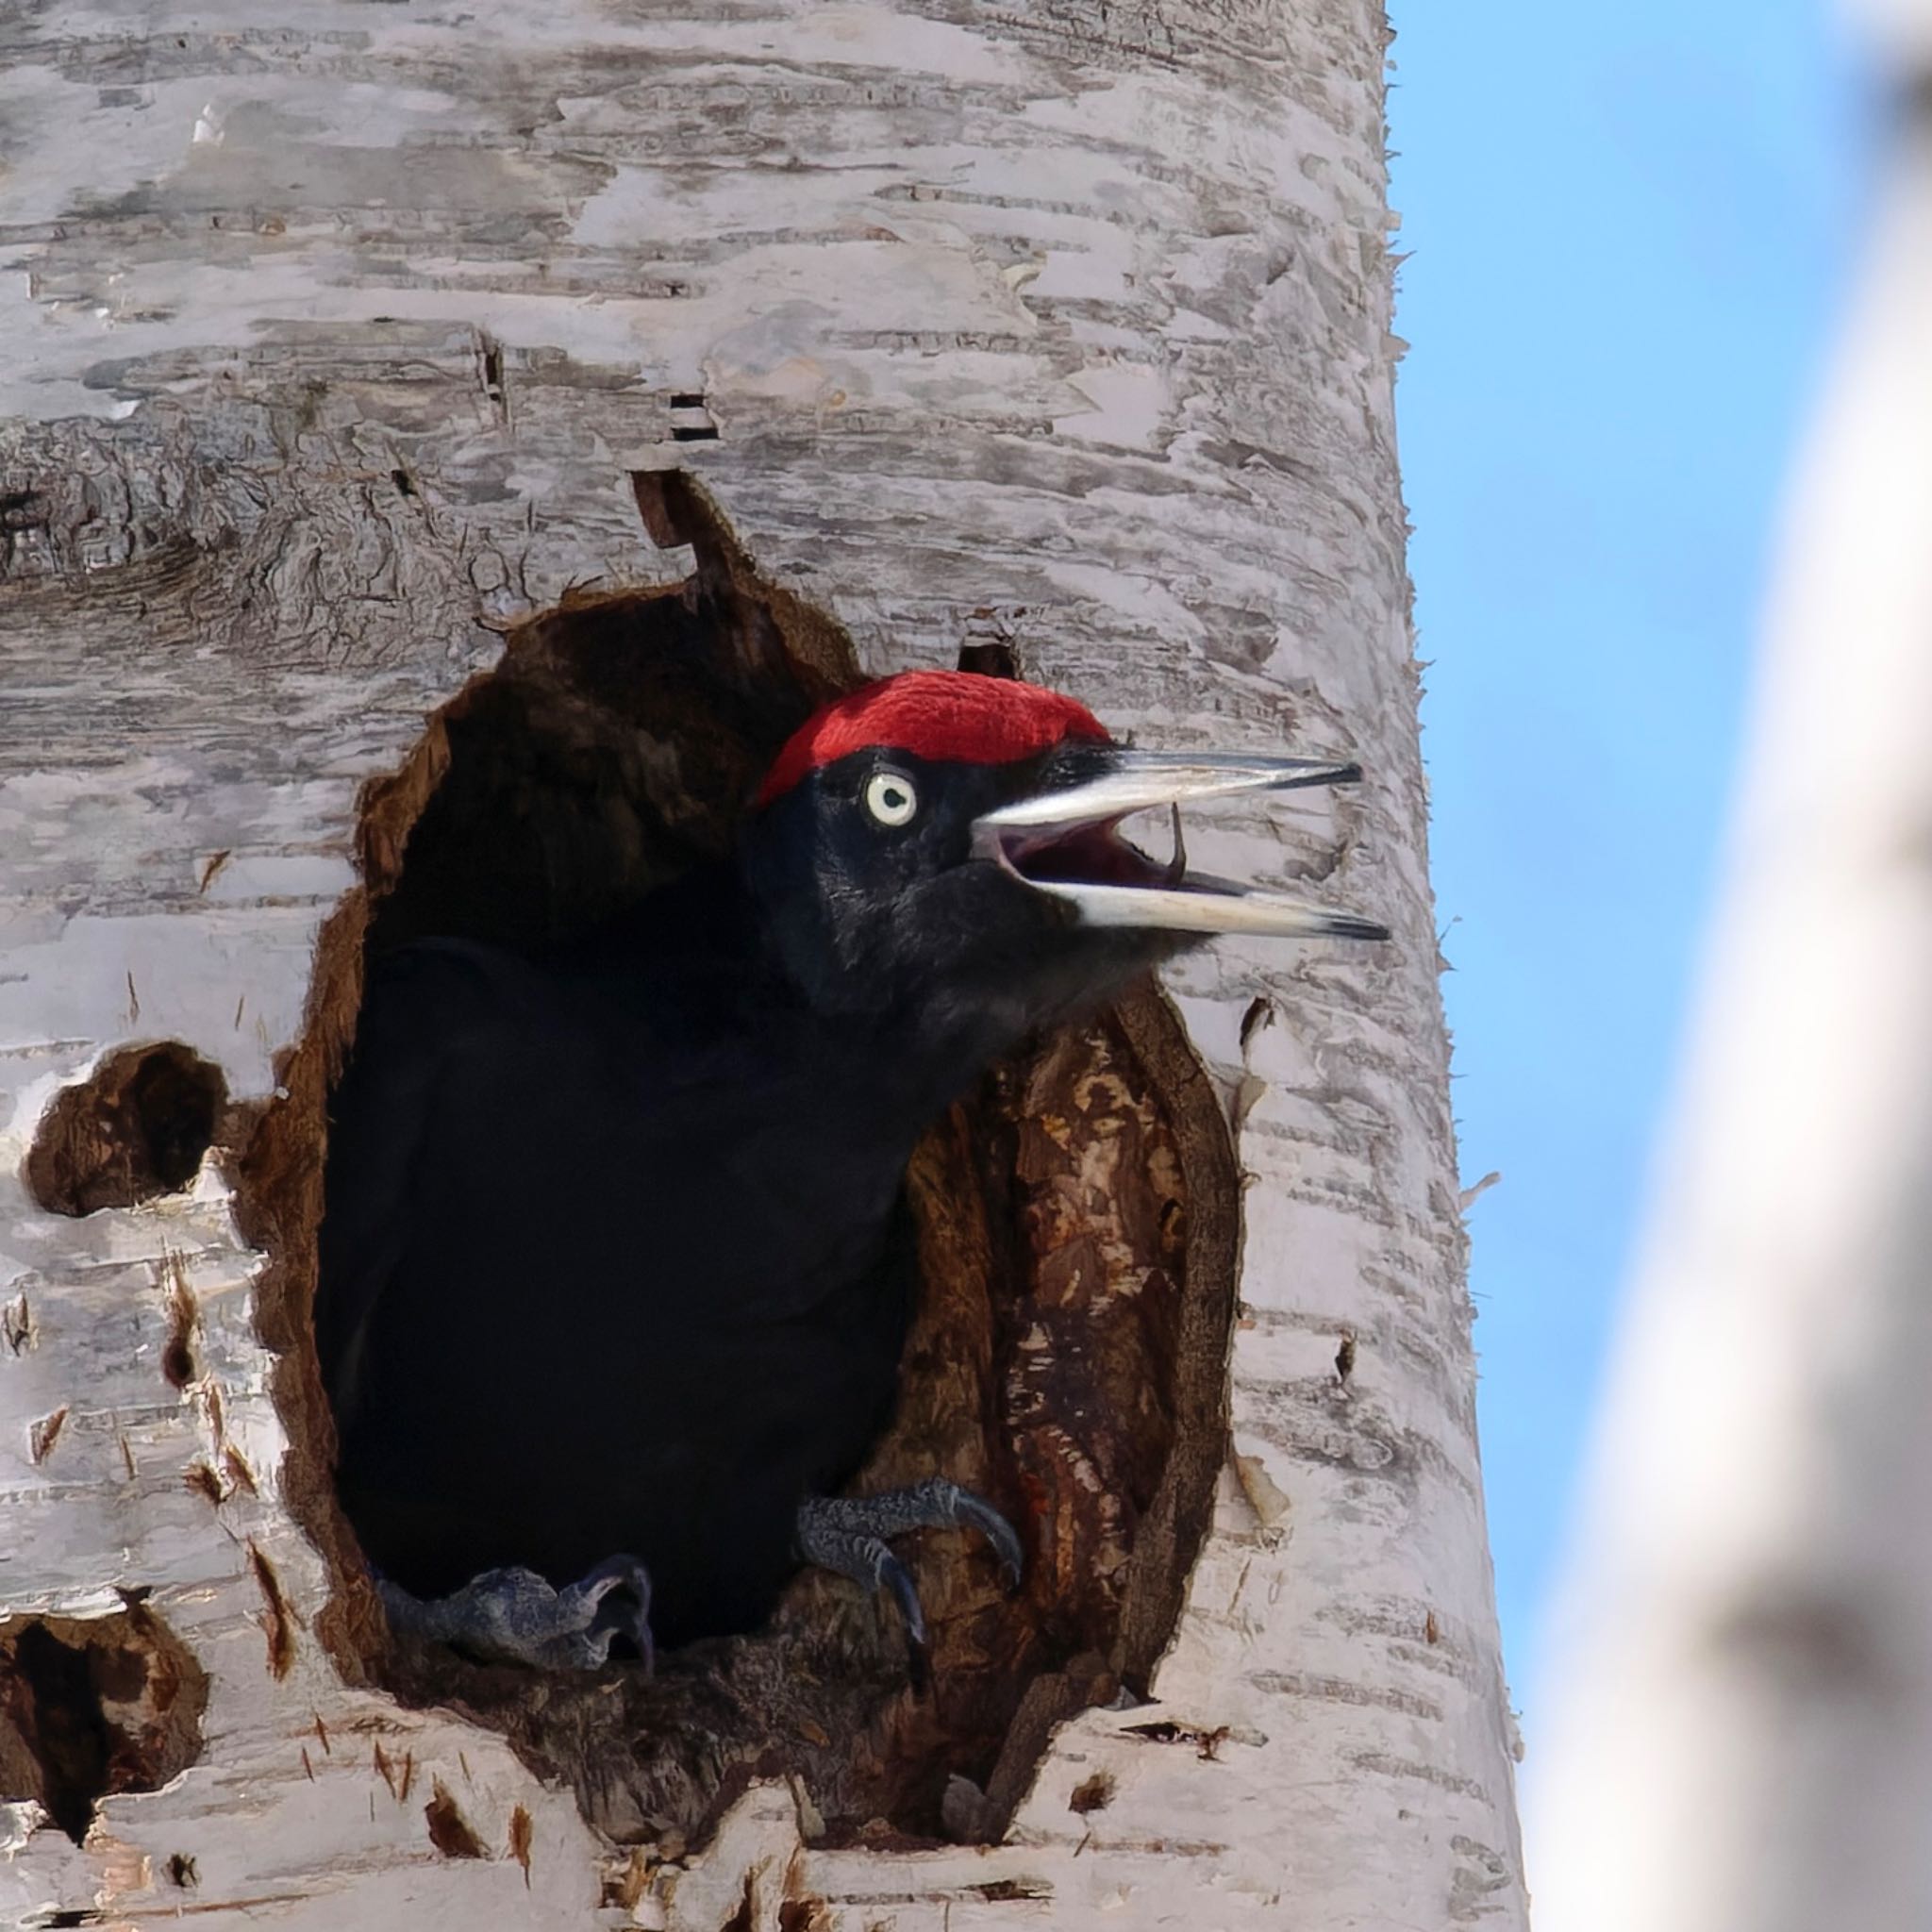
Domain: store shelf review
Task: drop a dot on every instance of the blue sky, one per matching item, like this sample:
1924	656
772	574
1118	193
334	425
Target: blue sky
1630	230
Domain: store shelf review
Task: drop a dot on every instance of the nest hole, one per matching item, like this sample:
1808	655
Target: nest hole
137	1127
94	1705
1077	1228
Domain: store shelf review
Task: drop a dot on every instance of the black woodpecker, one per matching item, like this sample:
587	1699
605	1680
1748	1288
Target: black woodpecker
615	1262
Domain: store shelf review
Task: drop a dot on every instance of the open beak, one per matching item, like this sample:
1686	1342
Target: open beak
1067	844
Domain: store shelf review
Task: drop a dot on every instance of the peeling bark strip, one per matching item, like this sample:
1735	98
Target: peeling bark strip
520	1837
341	347
277	1620
43	1435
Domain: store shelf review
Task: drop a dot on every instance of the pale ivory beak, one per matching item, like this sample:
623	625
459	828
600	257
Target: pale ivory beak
1043	838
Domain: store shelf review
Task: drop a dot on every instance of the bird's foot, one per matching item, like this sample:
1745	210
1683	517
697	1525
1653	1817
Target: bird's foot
847	1535
515	1616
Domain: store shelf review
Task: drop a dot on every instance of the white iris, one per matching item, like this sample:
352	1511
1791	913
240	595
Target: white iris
891	799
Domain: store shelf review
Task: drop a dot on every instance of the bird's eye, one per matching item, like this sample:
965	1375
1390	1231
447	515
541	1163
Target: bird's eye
891	799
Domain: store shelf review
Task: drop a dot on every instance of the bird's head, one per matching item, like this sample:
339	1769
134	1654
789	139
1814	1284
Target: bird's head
947	845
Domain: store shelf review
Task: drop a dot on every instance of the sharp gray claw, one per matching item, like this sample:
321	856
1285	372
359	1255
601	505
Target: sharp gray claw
982	1516
918	1643
898	1580
619	1593
847	1535
513	1615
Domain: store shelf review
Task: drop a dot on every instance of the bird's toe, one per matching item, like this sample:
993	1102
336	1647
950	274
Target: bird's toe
512	1615
847	1535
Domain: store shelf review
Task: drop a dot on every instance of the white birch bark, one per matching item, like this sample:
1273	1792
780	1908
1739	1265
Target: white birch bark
1067	325
1744	1736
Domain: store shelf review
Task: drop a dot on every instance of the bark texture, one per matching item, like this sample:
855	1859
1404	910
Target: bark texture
332	348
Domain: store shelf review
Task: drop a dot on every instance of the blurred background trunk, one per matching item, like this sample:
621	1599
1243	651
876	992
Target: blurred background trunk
1059	336
1742	1740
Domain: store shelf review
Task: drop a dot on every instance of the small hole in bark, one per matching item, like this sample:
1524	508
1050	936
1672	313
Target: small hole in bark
990	659
450	1832
136	1127
177	1362
1077	1220
401	479
745	1918
179	1365
1260	1014
94	1705
1094	1793
182	1870
691	418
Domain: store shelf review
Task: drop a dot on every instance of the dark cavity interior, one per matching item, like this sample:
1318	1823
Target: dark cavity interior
93	1705
1077	1241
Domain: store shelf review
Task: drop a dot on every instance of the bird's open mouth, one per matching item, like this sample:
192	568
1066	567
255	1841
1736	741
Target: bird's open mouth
1067	844
1096	854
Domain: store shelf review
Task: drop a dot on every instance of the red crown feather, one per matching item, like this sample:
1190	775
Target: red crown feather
957	717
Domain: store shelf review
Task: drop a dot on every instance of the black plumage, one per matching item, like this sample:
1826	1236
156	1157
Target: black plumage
614	1255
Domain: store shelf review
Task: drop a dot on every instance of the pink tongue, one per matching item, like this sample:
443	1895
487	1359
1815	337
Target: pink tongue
1092	856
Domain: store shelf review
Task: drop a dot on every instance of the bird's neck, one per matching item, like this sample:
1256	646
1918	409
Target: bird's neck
902	1052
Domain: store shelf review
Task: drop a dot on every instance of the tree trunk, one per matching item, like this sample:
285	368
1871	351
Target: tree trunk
710	361
1744	1737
